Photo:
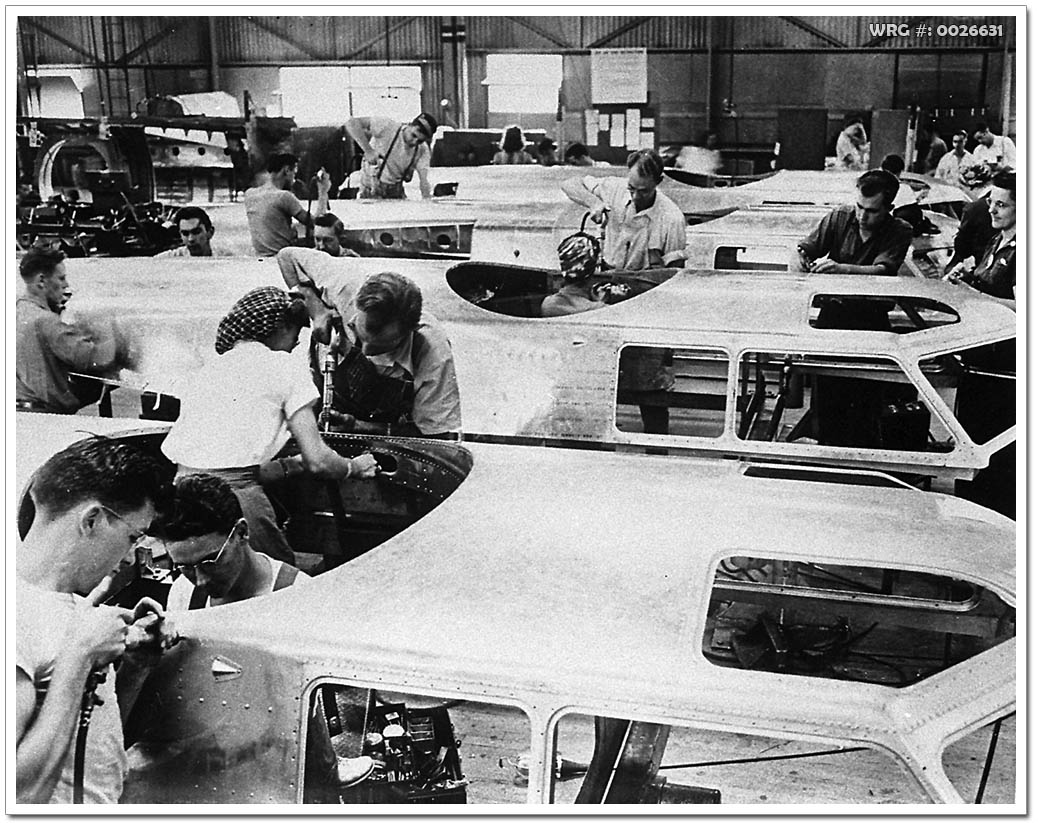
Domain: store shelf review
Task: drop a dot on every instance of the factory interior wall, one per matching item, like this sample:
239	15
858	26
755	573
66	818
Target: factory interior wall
759	83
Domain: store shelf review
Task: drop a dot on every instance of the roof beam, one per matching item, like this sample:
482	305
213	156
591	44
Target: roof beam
547	35
626	27
89	55
371	41
147	44
821	35
280	35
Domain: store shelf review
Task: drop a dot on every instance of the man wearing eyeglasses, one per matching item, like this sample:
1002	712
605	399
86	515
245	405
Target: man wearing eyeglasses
207	539
393	366
92	502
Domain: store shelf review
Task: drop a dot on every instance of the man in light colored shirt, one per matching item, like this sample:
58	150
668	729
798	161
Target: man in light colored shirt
270	208
643	228
393	153
998	152
196	232
951	164
92	501
382	319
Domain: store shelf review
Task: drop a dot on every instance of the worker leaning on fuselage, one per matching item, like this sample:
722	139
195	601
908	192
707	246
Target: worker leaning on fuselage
392	365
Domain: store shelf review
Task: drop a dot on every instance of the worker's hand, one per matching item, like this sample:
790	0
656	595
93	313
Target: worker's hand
600	214
371	157
150	634
341	422
364	467
98	633
956	273
823	265
324	182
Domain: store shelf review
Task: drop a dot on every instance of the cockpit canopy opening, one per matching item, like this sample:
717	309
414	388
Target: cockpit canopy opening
327	523
900	314
519	290
847	622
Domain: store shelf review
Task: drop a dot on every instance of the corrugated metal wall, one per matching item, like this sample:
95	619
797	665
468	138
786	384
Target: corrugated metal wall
267	40
295	39
760	62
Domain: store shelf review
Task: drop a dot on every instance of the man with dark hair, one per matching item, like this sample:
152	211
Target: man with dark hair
998	152
952	163
270	208
207	538
377	328
92	502
328	233
46	349
643	228
860	239
393	153
196	232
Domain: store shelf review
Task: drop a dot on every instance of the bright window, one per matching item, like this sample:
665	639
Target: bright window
329	95
527	83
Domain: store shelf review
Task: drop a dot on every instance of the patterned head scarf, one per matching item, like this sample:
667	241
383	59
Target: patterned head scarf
254	317
578	256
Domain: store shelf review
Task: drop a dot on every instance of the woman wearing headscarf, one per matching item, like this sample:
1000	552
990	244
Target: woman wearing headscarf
578	257
513	149
240	409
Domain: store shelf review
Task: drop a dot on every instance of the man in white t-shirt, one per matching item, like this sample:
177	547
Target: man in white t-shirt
393	153
996	151
644	229
93	501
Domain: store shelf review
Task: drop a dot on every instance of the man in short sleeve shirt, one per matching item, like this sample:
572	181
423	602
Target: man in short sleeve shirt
394	333
644	228
393	153
270	208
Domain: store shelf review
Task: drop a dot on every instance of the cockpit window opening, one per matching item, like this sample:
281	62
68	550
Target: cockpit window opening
680	392
979	385
899	314
847	622
623	760
757	258
377	746
519	291
835	400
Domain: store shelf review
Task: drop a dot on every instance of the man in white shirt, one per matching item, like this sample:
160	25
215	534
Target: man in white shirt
393	153
93	501
997	151
952	163
644	229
